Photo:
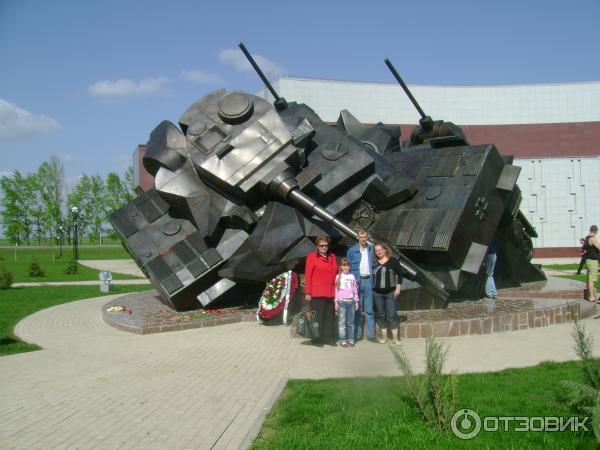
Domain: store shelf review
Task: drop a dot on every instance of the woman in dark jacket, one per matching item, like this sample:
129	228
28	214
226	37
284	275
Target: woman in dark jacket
319	287
387	281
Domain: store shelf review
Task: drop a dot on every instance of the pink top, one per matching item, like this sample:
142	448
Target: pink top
348	288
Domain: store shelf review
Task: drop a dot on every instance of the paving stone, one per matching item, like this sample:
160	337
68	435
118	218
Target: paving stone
97	386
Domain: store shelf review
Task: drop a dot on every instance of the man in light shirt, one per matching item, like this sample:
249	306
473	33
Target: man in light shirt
362	261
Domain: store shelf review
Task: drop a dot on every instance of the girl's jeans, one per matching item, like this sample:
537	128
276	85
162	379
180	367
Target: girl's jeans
346	320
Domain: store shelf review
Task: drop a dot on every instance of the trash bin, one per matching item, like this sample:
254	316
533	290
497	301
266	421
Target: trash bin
105	280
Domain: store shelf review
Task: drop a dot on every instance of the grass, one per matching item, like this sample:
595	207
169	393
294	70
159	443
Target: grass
54	265
84	241
18	303
572	267
377	412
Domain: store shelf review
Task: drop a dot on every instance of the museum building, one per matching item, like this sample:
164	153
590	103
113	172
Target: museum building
552	130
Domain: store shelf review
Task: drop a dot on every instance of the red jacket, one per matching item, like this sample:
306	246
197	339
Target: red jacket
319	275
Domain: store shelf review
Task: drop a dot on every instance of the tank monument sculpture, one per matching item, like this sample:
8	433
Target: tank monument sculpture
242	186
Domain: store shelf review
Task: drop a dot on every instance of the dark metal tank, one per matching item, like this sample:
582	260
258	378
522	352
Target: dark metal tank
243	186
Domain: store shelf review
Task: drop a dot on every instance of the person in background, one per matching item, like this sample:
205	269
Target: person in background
362	261
346	303
319	288
387	282
583	256
592	251
490	264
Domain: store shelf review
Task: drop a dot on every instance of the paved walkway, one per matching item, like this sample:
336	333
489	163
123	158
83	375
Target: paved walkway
545	261
94	386
125	266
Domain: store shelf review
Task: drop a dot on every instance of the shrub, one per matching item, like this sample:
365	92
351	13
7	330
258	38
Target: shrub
6	278
584	397
434	394
71	268
35	269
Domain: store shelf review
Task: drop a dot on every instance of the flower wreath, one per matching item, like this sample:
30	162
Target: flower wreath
276	295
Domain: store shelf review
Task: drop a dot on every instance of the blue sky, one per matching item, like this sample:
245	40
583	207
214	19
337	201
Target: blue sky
89	80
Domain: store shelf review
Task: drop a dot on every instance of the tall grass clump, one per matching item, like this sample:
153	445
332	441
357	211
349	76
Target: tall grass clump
35	269
71	268
6	278
433	393
584	398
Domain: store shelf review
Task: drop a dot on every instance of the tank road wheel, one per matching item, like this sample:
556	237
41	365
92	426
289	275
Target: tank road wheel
527	247
363	216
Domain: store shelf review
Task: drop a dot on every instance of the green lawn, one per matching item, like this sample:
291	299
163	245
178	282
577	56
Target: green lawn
377	413
572	267
17	303
54	265
84	241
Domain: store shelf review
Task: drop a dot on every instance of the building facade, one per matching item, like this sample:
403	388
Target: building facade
552	130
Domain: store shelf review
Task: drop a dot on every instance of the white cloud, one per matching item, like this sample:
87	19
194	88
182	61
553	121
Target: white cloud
235	58
108	89
17	122
201	77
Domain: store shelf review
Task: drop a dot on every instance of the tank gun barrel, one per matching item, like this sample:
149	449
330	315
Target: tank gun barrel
258	71
405	87
286	187
425	121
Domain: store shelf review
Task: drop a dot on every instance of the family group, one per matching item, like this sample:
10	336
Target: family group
367	282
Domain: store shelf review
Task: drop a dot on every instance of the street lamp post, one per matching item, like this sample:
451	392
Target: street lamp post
75	213
60	238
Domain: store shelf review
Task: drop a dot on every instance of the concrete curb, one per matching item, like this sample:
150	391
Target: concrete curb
253	433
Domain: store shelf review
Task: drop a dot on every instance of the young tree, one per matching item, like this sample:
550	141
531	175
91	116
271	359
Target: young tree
18	204
79	197
10	214
117	194
129	184
38	208
97	222
50	183
88	196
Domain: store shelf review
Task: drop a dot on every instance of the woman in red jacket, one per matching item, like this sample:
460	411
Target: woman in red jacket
319	287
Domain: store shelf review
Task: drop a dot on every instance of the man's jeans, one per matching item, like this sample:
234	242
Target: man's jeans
490	285
365	293
346	320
